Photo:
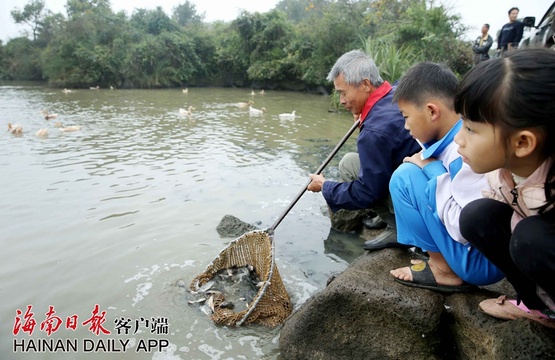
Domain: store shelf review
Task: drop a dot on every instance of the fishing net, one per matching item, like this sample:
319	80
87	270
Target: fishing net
272	305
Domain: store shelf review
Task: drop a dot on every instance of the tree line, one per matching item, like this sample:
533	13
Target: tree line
293	45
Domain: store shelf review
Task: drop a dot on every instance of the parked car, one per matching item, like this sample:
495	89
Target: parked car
542	35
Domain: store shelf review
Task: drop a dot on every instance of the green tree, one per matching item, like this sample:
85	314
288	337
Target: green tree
186	14
32	14
425	25
266	38
231	60
153	22
89	49
326	35
21	60
161	61
76	8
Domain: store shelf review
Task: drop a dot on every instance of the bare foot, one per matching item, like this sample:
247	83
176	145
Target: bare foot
444	276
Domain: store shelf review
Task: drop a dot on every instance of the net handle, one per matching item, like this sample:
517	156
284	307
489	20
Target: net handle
357	123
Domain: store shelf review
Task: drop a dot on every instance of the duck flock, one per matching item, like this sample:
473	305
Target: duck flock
242	105
18	130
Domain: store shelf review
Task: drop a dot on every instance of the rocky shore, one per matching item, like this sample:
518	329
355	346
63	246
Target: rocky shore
364	314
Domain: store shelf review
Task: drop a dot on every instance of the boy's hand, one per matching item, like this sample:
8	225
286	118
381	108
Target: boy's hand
416	159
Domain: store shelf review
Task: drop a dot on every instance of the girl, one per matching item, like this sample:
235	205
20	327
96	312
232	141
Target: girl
508	107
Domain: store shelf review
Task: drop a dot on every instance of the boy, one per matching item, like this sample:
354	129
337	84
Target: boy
430	188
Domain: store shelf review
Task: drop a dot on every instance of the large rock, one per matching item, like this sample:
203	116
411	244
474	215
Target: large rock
364	314
349	220
231	226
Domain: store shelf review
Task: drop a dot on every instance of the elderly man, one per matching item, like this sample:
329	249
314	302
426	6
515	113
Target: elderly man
382	144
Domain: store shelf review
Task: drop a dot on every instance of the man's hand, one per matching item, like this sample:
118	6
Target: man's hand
416	159
316	184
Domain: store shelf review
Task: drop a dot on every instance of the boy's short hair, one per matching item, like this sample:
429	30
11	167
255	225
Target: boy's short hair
513	8
427	79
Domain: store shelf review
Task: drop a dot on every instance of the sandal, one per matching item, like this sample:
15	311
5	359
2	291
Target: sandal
502	308
422	277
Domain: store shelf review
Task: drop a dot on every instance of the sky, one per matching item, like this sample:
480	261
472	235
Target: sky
474	12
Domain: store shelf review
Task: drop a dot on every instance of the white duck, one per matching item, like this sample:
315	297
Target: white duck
94	87
252	93
187	112
242	105
15	129
42	133
185	91
66	91
256	112
48	116
261	92
70	128
287	116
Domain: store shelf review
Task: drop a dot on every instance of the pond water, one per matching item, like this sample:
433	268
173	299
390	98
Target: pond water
117	213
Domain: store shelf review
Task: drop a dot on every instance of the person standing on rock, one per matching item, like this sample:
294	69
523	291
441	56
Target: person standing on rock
430	188
382	144
511	33
481	45
509	134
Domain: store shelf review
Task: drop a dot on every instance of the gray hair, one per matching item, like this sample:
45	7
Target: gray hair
356	66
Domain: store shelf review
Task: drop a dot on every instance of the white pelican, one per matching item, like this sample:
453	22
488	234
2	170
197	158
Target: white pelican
256	112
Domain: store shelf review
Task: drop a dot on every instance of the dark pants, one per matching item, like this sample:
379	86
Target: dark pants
526	257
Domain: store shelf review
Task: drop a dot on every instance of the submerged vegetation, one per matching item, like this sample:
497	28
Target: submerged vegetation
292	46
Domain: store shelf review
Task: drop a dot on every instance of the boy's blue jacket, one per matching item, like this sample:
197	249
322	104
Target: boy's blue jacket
382	145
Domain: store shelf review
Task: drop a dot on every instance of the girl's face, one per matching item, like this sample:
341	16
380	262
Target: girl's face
481	147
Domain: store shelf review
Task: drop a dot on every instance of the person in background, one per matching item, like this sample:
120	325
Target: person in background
482	45
509	134
511	33
430	188
382	144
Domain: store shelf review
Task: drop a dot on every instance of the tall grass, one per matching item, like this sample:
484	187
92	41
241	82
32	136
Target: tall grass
392	60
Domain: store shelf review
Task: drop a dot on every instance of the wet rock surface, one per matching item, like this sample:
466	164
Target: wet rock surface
364	314
231	226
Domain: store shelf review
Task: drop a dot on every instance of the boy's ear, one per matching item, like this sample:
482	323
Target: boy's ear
432	111
525	142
